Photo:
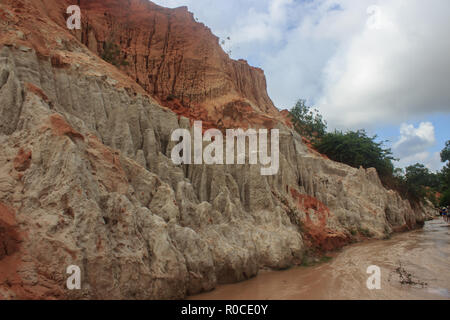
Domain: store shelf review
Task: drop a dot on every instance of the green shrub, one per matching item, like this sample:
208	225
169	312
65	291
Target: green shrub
356	149
445	154
408	190
307	121
419	175
444	176
444	200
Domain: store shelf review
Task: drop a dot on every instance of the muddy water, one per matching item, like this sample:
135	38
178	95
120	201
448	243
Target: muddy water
424	254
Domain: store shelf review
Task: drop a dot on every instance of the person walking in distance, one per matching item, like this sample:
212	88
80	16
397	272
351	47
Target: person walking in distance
445	213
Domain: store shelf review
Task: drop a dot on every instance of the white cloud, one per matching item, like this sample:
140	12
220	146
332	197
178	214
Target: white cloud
414	140
434	162
413	145
393	67
431	160
361	62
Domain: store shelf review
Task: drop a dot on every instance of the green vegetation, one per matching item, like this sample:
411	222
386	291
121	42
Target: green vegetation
420	182
419	175
307	121
356	149
445	154
444	176
111	54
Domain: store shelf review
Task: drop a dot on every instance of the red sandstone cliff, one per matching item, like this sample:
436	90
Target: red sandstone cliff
175	59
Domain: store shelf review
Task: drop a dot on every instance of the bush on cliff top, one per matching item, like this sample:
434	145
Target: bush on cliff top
356	149
308	122
445	154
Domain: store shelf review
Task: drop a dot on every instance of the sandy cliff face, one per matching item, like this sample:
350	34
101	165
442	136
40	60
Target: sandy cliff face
177	60
86	177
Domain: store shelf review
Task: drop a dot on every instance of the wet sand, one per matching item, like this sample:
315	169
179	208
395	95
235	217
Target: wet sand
424	254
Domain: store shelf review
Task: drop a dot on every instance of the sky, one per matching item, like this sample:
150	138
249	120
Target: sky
381	65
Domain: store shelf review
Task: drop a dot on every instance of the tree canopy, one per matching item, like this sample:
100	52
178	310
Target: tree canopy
307	121
356	149
444	176
418	174
445	154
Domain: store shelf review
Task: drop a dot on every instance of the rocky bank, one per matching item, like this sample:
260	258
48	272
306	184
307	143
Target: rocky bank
85	171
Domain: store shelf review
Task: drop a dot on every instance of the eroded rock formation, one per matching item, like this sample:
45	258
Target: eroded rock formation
86	177
176	59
